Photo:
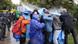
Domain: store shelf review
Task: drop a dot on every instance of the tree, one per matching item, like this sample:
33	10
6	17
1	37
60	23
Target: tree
5	4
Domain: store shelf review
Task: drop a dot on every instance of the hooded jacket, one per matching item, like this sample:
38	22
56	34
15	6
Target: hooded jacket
48	19
36	36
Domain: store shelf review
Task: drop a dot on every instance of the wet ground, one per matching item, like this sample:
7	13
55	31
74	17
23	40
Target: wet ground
9	39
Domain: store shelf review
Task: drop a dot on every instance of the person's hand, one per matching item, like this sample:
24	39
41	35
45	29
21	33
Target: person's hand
43	24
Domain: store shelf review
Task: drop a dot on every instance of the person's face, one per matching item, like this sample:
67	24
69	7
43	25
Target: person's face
35	13
37	17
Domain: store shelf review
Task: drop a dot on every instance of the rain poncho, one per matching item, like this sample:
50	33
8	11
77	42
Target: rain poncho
36	36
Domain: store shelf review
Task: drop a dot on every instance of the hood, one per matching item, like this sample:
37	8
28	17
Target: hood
27	12
41	11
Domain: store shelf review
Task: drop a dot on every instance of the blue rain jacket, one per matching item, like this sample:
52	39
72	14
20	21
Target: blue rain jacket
36	36
48	22
48	19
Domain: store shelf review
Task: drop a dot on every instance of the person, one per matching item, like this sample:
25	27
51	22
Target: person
57	24
48	19
26	15
17	14
19	29
36	36
3	21
24	35
8	16
68	26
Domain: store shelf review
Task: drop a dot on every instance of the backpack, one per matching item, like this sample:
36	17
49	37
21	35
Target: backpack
19	27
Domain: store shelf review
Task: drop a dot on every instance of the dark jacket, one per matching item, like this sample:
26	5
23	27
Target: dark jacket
68	20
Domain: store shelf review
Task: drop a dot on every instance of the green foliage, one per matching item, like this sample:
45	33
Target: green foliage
68	4
6	3
70	39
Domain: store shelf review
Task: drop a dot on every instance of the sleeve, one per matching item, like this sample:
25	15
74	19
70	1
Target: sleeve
26	21
38	25
47	17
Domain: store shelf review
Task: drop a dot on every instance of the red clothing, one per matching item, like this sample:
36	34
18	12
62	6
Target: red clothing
20	26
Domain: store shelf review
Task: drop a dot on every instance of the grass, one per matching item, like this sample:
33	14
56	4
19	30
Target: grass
70	39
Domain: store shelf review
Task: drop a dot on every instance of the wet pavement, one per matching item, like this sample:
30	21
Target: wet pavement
9	39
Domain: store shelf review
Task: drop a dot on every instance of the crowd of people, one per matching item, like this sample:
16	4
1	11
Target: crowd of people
41	27
5	22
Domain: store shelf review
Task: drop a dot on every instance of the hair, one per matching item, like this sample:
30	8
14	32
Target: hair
33	13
